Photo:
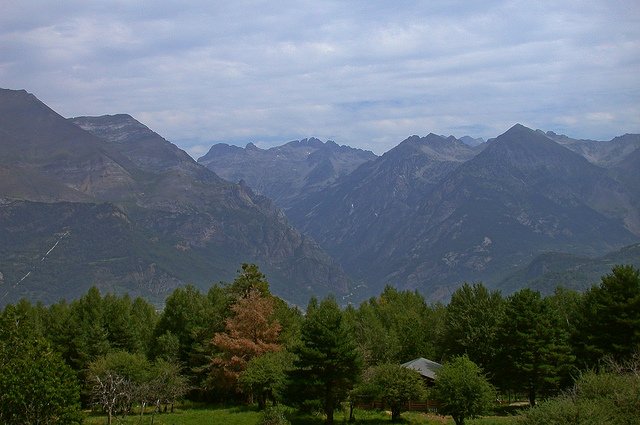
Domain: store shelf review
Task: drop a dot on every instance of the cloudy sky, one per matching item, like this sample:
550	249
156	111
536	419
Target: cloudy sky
363	73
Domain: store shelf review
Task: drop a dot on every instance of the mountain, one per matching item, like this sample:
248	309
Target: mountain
472	141
605	154
431	222
550	270
130	211
285	173
355	218
627	171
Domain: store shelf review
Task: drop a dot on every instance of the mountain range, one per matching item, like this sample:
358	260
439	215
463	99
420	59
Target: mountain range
106	201
287	173
435	211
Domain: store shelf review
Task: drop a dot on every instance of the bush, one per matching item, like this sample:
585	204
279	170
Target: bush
273	416
604	398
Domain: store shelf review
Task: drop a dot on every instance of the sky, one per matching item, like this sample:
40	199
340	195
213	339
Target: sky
367	74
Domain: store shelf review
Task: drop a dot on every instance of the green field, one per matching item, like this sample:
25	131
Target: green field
208	415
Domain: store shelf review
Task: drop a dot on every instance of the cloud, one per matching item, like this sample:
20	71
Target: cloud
367	74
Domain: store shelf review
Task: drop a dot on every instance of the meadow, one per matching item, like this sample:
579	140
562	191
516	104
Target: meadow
201	414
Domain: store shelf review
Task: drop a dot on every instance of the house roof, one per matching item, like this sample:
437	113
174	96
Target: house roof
424	367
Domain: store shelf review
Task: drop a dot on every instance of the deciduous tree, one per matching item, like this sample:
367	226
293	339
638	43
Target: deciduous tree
395	386
472	321
461	390
36	385
250	333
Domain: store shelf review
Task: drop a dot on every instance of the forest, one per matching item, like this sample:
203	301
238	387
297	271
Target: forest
239	344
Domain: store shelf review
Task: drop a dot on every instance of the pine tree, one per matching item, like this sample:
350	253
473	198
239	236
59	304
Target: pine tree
534	347
609	322
327	364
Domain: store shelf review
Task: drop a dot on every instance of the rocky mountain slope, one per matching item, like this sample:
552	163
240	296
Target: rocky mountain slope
475	219
134	191
285	173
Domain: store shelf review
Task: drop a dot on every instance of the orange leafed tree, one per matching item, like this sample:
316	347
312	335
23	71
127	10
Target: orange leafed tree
249	333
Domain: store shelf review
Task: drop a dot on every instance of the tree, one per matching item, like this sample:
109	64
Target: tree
396	327
535	355
327	364
166	384
265	376
249	334
610	317
249	279
36	385
184	317
118	380
395	386
88	329
461	390
472	321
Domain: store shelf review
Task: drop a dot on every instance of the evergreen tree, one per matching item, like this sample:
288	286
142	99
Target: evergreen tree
88	329
183	319
248	280
609	322
327	364
535	354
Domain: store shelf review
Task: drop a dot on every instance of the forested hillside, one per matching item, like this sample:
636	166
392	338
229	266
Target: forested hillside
238	341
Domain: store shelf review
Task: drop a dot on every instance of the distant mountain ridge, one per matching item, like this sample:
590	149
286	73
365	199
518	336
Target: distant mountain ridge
478	220
166	211
284	173
550	270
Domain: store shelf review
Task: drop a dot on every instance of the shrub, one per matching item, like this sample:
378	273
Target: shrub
273	416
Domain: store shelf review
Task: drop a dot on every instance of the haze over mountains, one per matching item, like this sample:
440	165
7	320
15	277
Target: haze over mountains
106	201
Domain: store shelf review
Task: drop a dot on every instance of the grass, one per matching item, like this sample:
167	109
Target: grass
195	414
186	415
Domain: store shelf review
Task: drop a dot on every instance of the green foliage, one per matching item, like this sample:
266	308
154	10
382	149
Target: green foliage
327	364
472	321
394	385
249	279
273	416
36	385
597	398
184	317
534	350
120	379
265	376
398	326
610	316
461	390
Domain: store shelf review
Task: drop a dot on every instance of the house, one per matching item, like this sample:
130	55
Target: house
426	368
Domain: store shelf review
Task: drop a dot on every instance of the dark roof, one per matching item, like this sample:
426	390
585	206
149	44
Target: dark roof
424	367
